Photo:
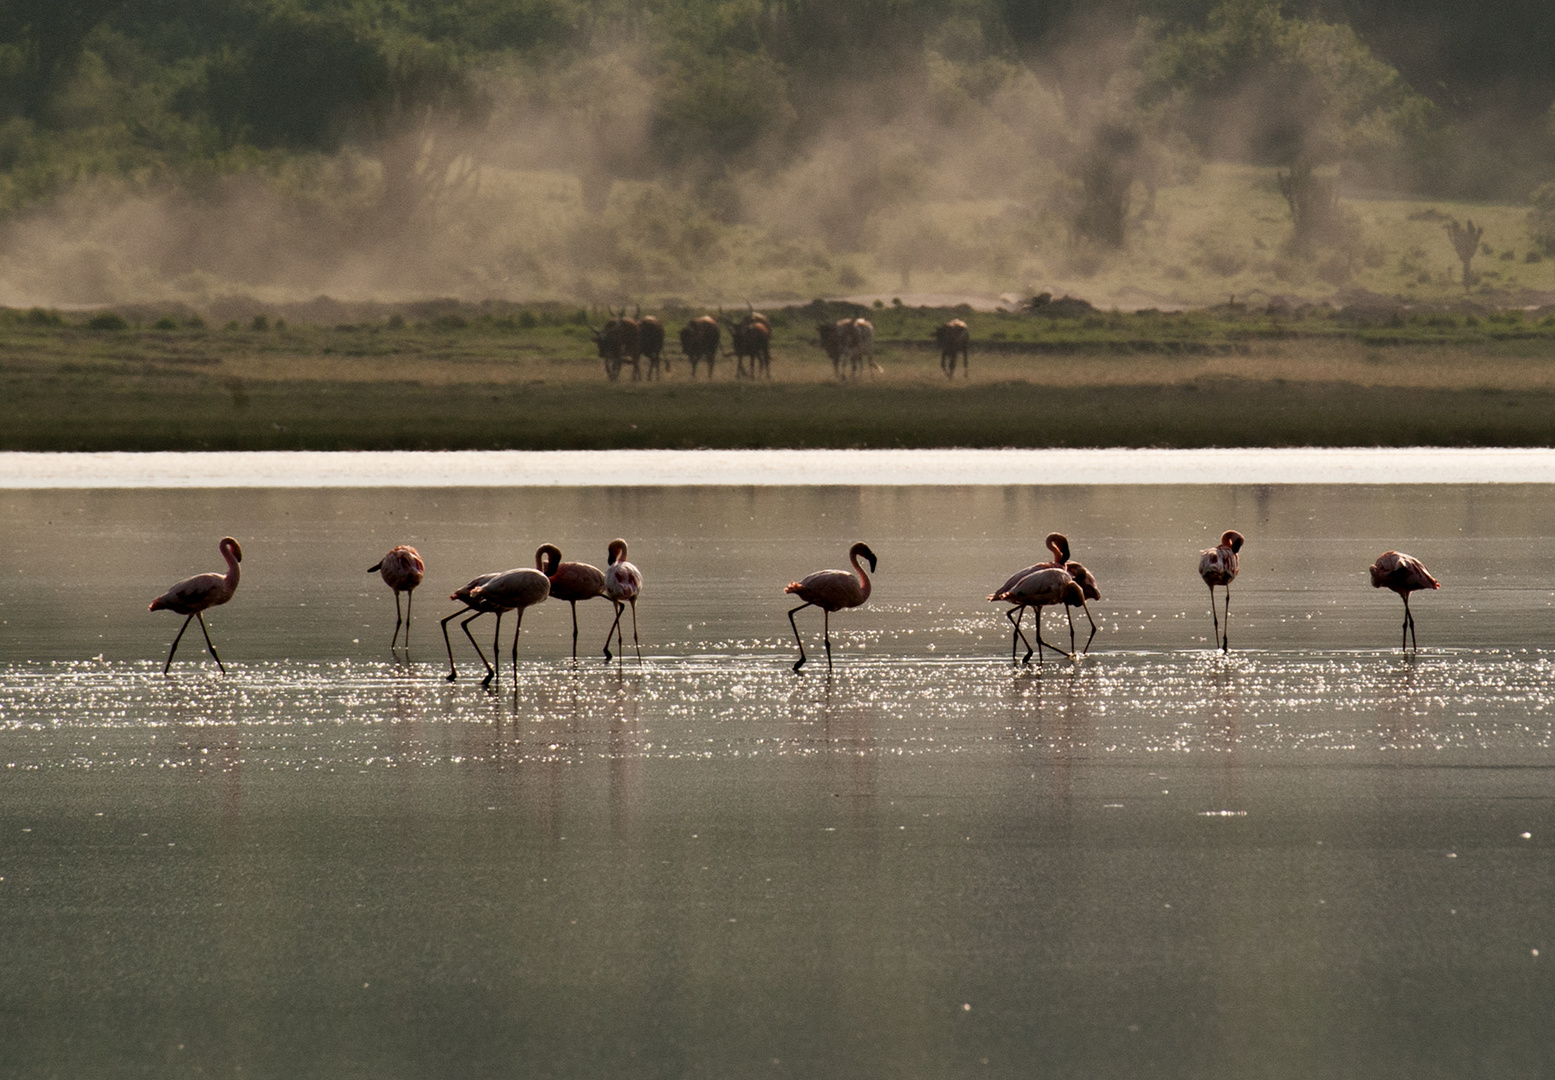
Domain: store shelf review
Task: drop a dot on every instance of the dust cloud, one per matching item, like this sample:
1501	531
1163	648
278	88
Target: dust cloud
960	173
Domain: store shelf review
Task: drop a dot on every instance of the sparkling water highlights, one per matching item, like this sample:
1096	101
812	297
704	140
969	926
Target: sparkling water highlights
1313	857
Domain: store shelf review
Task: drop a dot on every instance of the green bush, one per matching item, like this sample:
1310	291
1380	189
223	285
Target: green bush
107	320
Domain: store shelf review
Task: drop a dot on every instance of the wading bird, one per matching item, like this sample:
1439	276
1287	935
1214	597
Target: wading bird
192	596
516	590
1218	566
1403	574
623	582
465	596
1039	589
402	570
1058	544
574	581
1091	591
831	590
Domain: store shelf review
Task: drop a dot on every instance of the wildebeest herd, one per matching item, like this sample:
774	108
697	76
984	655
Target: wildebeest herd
849	343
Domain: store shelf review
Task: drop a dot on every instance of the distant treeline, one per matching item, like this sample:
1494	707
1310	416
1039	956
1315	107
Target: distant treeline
826	115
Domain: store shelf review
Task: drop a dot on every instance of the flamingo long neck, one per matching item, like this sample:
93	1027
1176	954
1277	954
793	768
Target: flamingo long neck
863	577
232	567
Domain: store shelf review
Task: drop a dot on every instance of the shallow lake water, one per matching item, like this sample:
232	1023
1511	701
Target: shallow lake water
1314	857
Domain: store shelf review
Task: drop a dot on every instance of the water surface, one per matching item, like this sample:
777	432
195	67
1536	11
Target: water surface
1314	857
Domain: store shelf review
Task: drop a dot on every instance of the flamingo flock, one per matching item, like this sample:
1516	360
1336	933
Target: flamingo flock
1059	582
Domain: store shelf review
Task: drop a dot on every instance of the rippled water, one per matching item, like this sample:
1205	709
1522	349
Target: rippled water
1314	857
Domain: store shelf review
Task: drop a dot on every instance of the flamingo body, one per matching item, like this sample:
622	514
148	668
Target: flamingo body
1218	566
832	590
518	590
623	583
572	582
401	570
1403	574
192	596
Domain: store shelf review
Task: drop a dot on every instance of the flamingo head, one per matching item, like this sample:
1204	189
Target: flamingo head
548	557
1058	544
1231	539
230	545
1073	595
861	549
617	551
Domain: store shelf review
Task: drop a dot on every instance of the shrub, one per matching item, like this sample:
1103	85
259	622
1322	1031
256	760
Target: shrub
107	320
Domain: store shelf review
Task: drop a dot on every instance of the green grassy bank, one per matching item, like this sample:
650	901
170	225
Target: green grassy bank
1234	379
389	416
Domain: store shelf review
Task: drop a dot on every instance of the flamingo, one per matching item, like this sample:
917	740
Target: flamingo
1050	585
1218	566
402	570
574	581
465	596
831	590
623	582
1091	591
1403	574
1058	544
191	596
515	590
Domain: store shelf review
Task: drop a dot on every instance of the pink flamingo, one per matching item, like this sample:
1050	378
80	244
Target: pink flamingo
402	570
623	582
831	590
465	596
1039	589
192	596
1058	544
1403	574
516	590
574	581
1091	591
1218	566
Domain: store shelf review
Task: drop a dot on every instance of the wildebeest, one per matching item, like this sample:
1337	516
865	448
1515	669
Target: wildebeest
752	337
858	344
699	340
954	338
619	342
650	333
831	341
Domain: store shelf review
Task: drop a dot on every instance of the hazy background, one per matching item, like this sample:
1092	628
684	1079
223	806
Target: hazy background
1150	151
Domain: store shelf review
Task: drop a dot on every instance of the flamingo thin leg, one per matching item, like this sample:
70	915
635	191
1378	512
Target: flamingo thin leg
1225	640
212	648
1213	614
620	607
410	598
1404	643
394	637
495	667
635	643
574	604
465	626
1041	643
176	640
1015	615
826	636
800	641
1092	638
453	672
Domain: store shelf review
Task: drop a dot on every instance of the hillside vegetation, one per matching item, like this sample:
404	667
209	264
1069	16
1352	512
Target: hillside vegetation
1151	153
